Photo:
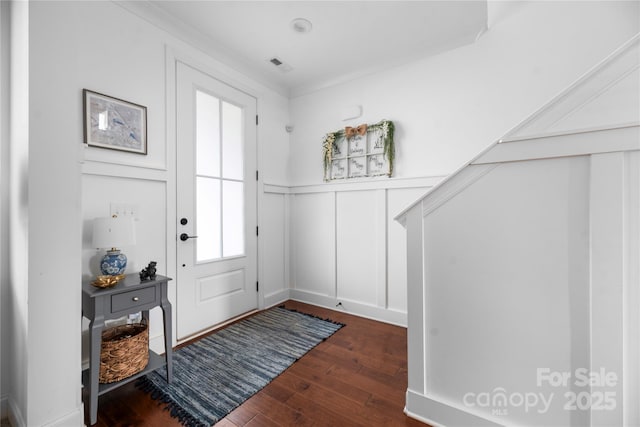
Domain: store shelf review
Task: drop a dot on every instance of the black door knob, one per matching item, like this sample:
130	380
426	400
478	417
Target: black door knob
184	237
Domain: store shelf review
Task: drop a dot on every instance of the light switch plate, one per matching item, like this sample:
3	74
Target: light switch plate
125	209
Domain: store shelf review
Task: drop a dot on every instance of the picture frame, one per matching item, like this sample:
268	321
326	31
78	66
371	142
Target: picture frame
359	152
114	123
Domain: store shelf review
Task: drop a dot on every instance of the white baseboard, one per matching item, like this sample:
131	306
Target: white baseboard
351	307
437	413
156	343
276	298
10	411
75	418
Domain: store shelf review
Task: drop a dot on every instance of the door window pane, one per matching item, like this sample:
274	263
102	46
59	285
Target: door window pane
207	134
208	219
232	218
232	150
219	178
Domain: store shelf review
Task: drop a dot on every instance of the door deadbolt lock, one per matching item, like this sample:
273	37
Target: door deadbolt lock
184	221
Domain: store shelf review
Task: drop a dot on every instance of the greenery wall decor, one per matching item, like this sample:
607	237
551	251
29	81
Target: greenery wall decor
365	150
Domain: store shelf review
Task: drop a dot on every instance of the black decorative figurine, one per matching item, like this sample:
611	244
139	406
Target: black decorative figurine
149	272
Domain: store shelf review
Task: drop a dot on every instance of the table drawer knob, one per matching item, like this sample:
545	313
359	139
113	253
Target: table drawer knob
135	298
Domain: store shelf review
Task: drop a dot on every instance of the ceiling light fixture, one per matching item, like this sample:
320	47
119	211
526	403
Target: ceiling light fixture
301	25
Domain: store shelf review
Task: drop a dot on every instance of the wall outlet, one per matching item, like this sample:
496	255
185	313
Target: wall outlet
125	209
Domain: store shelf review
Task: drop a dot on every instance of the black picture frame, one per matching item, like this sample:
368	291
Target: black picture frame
114	123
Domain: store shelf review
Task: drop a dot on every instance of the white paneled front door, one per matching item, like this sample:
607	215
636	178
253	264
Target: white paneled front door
216	202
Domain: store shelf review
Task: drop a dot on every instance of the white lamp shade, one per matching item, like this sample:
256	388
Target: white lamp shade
113	232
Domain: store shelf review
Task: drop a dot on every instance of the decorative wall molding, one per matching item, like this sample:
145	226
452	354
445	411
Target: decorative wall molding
353	185
567	133
124	171
591	141
275	189
563	145
630	291
351	223
607	212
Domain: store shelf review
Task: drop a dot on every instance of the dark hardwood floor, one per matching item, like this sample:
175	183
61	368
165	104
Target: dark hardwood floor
357	377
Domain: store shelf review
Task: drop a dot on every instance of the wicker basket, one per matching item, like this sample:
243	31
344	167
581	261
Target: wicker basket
124	352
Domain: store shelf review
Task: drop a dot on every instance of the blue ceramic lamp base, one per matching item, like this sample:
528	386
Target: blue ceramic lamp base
113	263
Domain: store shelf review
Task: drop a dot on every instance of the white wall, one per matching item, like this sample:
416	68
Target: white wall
4	191
446	109
15	289
449	107
103	47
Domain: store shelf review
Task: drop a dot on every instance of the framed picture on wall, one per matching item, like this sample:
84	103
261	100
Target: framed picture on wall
113	123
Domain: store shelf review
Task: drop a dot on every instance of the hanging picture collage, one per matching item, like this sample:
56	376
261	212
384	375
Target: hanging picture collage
359	152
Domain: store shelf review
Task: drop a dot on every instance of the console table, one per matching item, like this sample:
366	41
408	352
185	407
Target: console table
130	295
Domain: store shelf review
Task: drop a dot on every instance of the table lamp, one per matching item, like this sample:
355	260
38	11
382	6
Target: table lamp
111	233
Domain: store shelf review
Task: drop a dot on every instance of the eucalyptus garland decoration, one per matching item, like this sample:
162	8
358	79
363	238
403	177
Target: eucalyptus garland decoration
386	129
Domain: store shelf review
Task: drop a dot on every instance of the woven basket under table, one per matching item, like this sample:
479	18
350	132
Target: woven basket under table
124	352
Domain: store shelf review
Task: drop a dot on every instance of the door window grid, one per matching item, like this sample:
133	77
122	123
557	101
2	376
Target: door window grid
219	179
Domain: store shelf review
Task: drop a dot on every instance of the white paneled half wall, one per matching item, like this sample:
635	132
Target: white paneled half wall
344	249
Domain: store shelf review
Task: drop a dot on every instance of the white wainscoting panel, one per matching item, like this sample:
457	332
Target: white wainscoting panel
347	253
313	243
150	197
631	293
357	239
99	192
514	245
397	201
273	237
608	281
532	268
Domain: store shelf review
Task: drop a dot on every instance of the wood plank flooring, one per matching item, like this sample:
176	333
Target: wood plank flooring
357	377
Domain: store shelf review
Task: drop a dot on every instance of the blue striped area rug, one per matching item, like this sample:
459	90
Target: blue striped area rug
216	374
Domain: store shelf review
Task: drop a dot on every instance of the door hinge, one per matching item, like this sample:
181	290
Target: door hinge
256	120
257	231
256	175
257	286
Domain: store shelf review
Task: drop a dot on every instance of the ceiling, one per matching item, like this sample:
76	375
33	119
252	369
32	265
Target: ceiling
348	39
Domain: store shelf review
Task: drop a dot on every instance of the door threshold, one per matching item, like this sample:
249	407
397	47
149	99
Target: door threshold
194	337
